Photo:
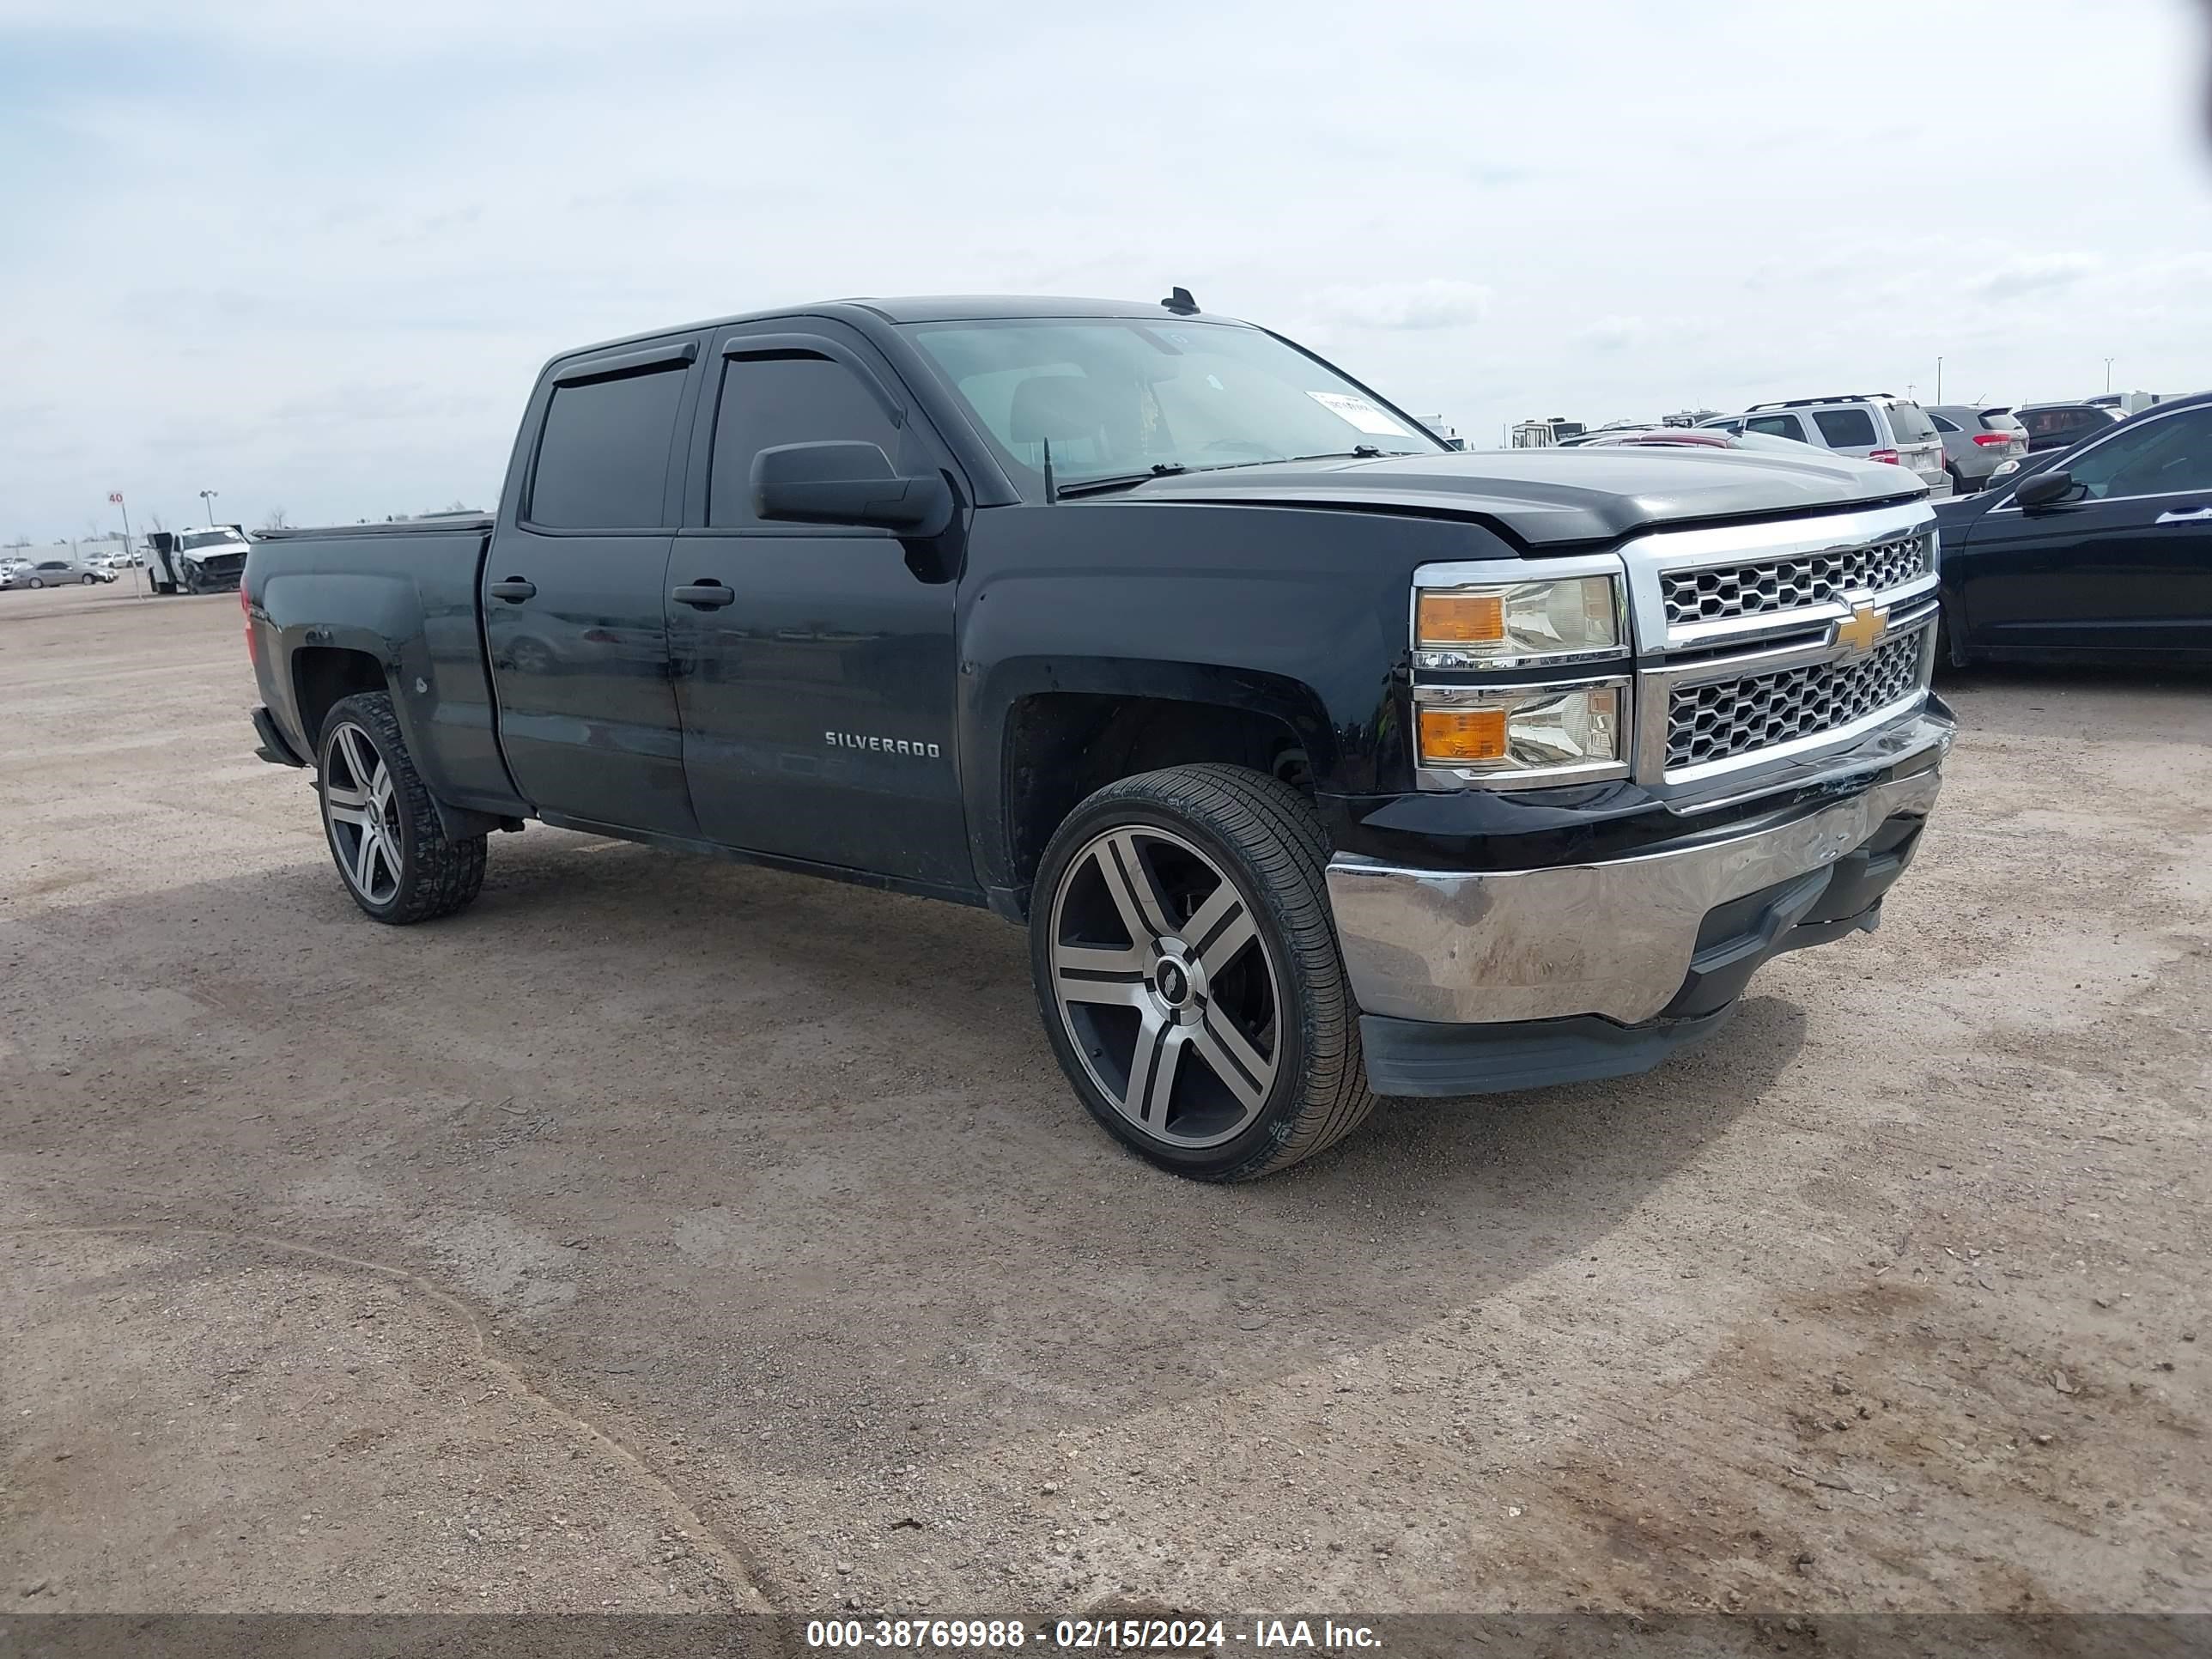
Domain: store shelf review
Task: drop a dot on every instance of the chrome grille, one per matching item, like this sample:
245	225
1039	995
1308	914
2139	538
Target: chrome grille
1758	587
1721	719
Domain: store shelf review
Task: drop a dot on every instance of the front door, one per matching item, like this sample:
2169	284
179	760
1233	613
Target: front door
575	596
2124	564
814	665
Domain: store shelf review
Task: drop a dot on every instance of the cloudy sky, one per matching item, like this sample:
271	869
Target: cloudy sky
310	256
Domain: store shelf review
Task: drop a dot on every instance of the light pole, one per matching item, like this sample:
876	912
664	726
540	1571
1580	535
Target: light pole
2108	373
207	501
1938	380
116	496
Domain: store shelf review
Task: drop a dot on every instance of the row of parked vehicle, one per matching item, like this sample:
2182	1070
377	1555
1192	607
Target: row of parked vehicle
89	571
1954	448
2069	530
206	560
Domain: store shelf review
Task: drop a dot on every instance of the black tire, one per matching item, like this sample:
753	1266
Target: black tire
88	581
437	875
1263	839
36	582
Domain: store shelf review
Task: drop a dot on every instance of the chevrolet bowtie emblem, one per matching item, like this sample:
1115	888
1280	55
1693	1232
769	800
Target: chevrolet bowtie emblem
1863	628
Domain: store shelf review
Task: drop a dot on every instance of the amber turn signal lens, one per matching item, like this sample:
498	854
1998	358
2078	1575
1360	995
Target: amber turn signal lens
1447	618
1450	735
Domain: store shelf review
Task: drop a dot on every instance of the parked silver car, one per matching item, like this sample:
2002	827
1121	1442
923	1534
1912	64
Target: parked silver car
1977	441
56	572
1872	426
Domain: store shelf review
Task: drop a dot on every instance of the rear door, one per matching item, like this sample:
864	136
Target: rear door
575	592
814	663
2124	567
1776	426
1920	447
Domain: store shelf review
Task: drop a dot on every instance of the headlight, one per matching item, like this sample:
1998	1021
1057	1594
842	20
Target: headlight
1535	734
1518	624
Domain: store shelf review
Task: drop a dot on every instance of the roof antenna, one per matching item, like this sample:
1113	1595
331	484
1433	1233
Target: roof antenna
1180	302
1051	489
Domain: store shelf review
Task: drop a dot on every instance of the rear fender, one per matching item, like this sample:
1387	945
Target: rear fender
383	622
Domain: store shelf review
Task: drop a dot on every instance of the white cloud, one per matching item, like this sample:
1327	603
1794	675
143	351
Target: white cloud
1433	302
1613	333
336	299
2032	272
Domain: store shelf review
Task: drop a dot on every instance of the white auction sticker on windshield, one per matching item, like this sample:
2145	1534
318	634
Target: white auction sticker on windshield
1361	413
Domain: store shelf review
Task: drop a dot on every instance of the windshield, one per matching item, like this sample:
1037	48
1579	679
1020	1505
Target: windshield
1115	396
212	538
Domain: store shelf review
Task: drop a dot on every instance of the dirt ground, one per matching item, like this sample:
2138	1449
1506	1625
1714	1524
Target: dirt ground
668	1235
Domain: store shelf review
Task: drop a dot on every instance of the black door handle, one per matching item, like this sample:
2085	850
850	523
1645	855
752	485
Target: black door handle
708	596
513	590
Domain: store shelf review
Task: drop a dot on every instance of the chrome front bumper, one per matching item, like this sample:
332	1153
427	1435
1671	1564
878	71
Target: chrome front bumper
1613	938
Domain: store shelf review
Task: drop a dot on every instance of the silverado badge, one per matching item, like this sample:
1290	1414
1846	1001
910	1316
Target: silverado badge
1863	628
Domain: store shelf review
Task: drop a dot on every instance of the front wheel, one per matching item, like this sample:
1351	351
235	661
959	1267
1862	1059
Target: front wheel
89	580
1188	974
36	582
384	831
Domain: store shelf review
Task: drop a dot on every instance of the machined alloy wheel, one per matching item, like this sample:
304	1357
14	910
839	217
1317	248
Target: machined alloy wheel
384	831
1164	986
87	578
364	819
36	582
1188	974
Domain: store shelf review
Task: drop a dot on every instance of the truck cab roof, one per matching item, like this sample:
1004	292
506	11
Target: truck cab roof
928	308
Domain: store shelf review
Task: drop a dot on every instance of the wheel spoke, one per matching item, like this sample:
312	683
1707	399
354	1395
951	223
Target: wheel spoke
1153	1065
364	859
1131	884
1086	973
1243	1069
344	810
1220	928
361	767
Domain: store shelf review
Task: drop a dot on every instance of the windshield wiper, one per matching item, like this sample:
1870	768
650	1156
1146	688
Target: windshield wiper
1357	452
1119	480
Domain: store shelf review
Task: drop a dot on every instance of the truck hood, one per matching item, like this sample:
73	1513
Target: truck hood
1550	496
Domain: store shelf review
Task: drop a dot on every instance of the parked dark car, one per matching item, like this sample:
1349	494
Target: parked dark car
2101	553
1321	762
2057	426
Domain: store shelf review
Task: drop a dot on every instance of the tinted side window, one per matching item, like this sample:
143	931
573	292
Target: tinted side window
2161	457
2057	423
1777	426
786	398
1846	428
1943	425
603	459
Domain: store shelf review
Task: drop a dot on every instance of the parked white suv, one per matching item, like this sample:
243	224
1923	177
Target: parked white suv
1872	426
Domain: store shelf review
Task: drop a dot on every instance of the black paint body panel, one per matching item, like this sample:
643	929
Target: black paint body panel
849	709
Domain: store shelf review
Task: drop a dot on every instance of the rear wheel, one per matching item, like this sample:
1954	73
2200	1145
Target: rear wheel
36	582
384	831
1188	974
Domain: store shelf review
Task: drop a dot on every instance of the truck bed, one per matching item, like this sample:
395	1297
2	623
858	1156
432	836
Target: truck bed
479	522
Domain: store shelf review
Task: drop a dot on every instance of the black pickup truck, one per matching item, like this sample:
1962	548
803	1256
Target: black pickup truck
1320	761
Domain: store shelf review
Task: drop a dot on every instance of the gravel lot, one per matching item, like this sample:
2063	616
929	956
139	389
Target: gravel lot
669	1234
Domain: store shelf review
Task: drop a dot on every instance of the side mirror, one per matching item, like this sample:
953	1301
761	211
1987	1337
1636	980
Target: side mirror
2044	489
846	484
